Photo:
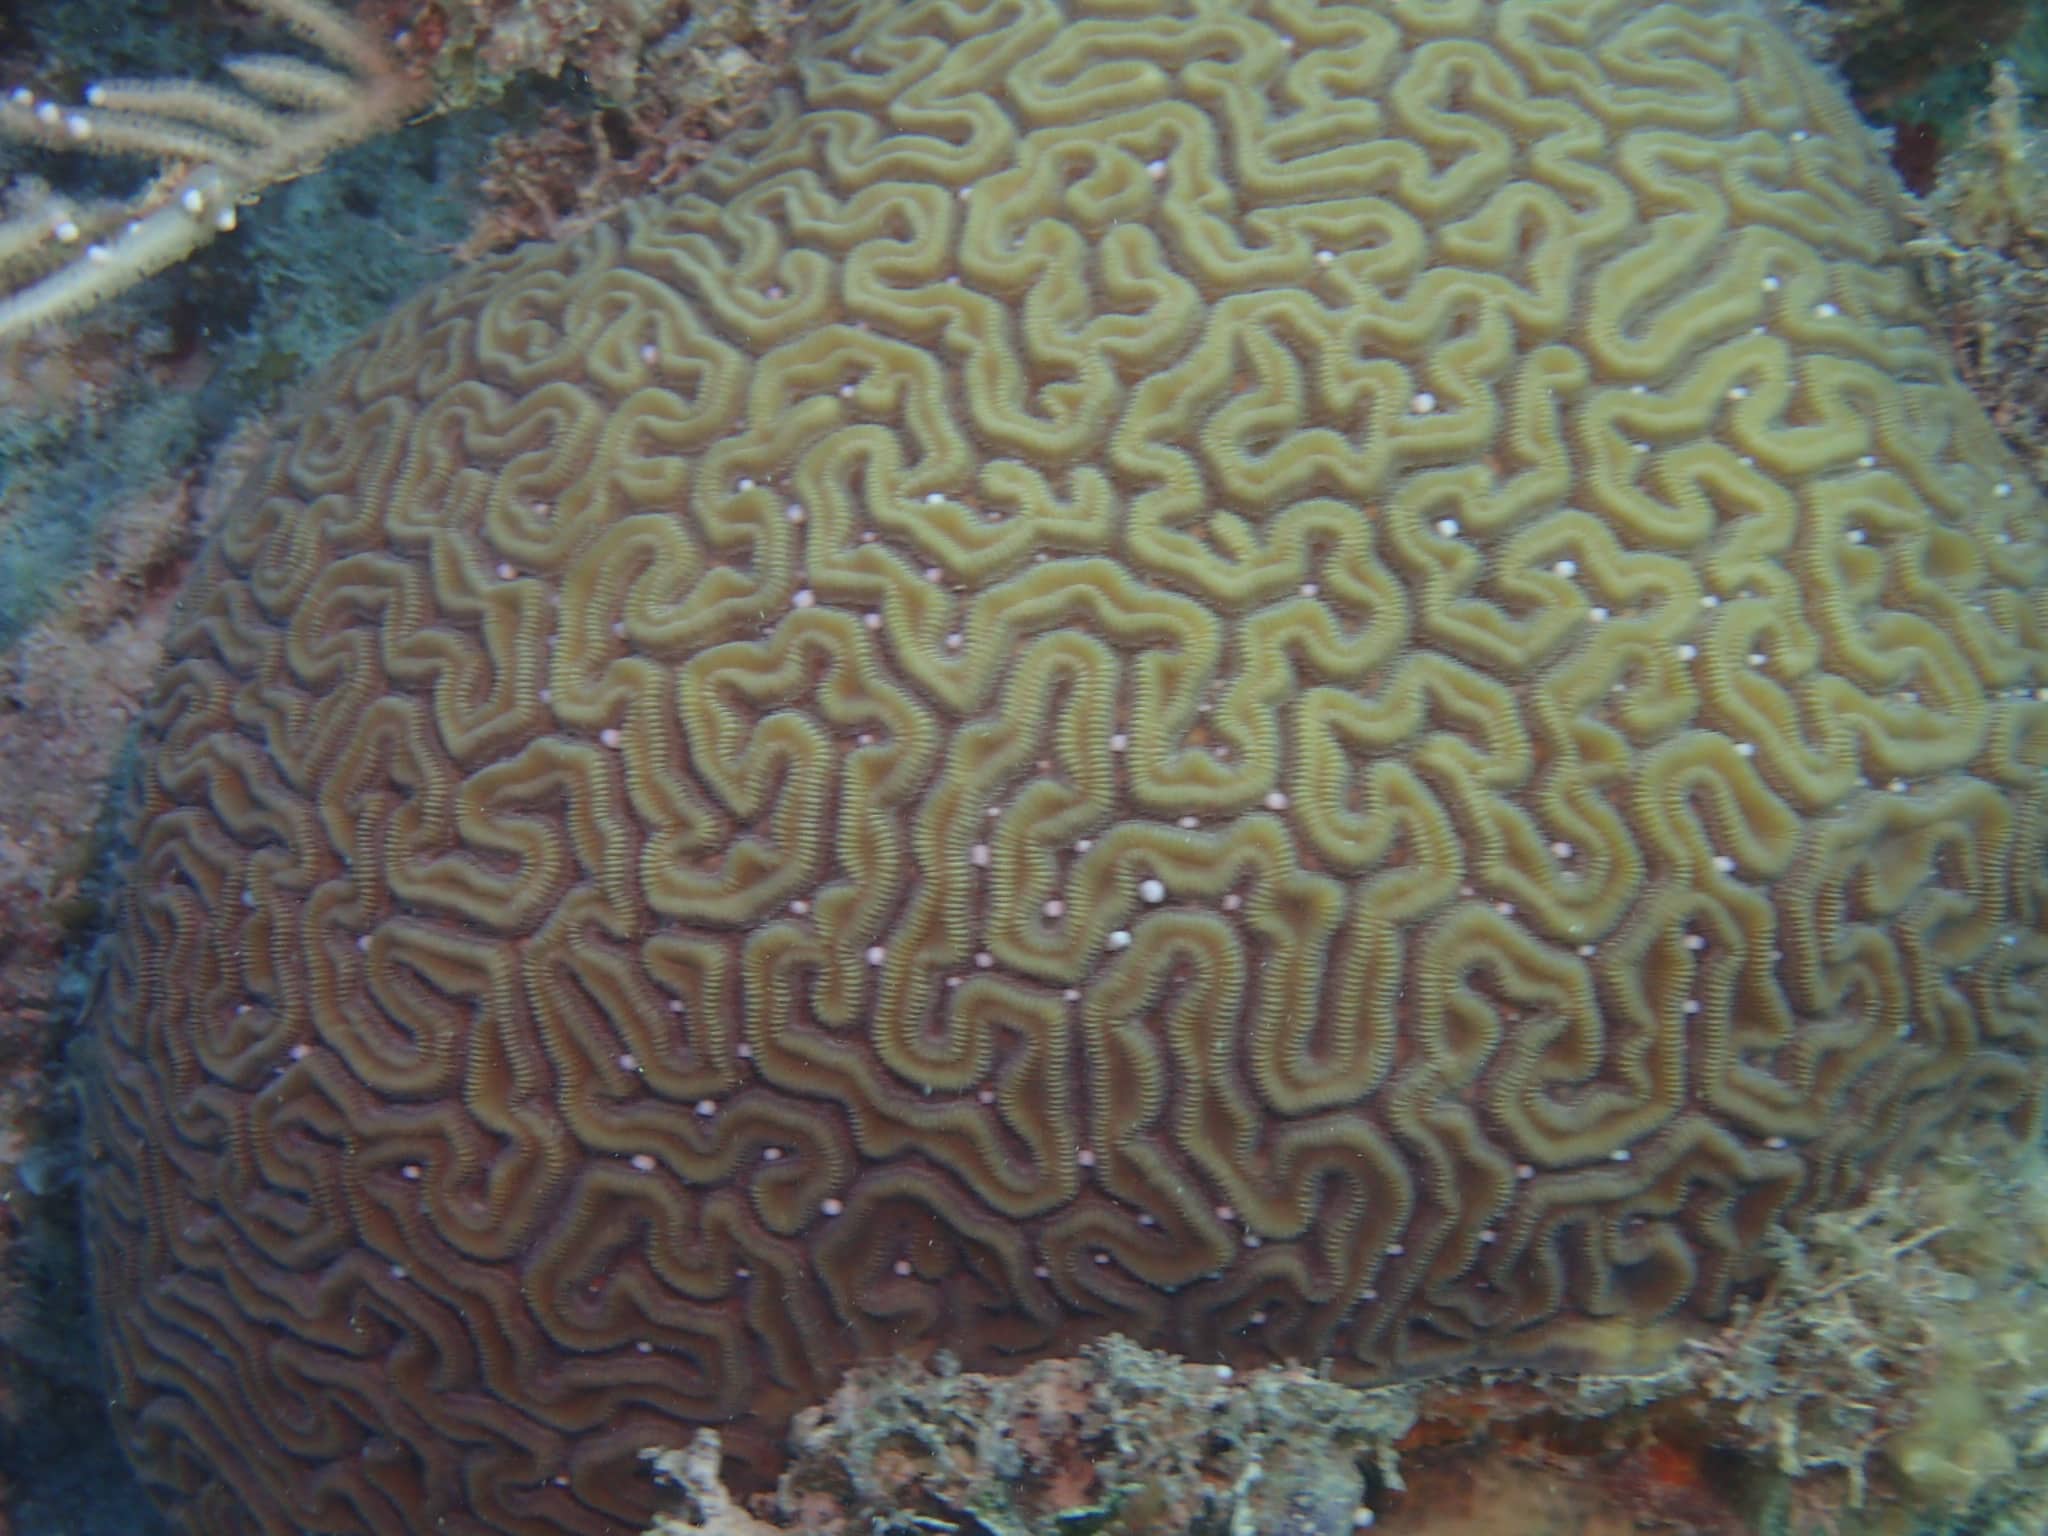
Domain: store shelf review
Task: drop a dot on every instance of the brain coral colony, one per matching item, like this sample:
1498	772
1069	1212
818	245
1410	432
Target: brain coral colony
1328	682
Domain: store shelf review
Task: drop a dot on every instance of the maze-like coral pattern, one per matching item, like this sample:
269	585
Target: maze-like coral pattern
1321	680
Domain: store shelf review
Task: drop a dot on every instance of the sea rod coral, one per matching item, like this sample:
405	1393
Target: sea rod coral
1325	682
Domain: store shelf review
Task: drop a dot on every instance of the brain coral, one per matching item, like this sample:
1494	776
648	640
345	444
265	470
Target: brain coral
1323	680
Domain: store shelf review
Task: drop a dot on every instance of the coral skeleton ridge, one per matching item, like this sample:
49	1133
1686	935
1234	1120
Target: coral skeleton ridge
1308	682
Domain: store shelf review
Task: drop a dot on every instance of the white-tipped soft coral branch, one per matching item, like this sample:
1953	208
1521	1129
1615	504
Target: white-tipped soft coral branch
216	149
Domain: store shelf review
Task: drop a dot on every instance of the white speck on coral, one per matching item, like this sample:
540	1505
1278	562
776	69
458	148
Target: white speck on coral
706	1108
1562	849
744	483
1695	942
876	954
1745	749
1866	461
1621	1155
803	597
1596	615
955	641
1120	939
1119	742
1232	901
1687	651
1447	526
1423	403
832	1205
1153	891
1772	284
1156	169
1085	1157
642	1163
1724	863
872	620
1324	258
1738	392
411	1171
611	736
1276	800
1855	535
979	856
1566	568
1055	908
1826	311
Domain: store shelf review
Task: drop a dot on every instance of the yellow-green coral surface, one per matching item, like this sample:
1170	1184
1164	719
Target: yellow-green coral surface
1309	680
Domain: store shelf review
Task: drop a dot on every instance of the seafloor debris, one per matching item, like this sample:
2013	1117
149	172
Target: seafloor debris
1119	1439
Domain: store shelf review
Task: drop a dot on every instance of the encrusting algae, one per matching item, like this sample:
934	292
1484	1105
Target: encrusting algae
1299	684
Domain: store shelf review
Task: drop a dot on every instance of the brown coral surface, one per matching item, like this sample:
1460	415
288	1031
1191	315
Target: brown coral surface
1303	680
